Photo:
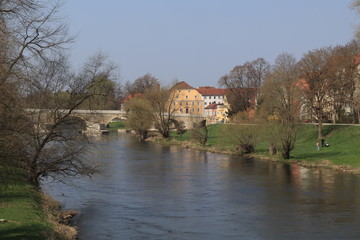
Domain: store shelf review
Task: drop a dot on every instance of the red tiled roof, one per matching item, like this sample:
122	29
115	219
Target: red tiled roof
211	91
182	85
212	106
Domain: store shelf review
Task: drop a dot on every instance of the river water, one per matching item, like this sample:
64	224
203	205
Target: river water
150	191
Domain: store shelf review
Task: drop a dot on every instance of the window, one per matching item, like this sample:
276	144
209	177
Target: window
180	103
193	103
187	96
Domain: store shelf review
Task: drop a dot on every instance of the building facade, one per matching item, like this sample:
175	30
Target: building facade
186	99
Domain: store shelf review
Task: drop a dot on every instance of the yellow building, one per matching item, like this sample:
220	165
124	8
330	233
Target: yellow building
186	99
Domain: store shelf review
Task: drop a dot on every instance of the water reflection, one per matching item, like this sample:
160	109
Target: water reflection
149	191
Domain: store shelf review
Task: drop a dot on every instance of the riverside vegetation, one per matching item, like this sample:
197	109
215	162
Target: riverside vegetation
343	153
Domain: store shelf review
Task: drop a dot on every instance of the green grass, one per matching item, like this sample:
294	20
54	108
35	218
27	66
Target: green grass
116	125
21	205
344	143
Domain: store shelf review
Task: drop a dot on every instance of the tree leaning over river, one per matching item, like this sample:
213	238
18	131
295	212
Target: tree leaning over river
35	73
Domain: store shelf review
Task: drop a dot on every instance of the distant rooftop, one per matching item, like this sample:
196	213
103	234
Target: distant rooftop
211	91
182	85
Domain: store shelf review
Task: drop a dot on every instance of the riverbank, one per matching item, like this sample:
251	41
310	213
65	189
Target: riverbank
27	213
342	154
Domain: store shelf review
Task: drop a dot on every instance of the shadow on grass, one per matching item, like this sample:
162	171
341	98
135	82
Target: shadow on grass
15	231
329	129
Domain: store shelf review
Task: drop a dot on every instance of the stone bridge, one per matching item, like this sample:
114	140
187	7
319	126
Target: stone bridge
90	120
96	120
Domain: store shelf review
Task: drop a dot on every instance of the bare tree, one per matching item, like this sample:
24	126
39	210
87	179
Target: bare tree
50	151
200	133
139	117
344	79
282	100
243	81
161	101
30	30
156	108
141	84
315	69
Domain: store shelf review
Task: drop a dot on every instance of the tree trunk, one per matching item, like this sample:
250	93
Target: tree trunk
286	155
272	150
320	136
33	179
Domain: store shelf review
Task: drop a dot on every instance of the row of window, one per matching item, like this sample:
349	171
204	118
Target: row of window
187	97
208	103
188	110
205	97
187	103
209	97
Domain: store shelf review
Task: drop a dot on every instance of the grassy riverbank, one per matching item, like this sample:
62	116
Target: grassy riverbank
26	213
343	153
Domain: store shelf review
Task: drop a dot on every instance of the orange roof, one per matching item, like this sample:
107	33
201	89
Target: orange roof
182	85
302	84
211	91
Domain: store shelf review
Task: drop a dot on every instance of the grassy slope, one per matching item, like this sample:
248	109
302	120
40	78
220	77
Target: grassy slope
344	145
22	206
344	141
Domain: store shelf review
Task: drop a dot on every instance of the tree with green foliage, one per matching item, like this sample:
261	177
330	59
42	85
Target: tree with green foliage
139	117
155	107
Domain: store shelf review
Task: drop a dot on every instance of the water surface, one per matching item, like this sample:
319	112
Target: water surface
150	191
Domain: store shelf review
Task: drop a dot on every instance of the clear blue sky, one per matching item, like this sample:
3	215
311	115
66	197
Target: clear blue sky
198	41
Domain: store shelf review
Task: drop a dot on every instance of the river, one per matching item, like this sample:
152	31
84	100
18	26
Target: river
150	191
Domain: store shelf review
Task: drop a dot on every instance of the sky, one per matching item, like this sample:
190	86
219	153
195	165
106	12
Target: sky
198	41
